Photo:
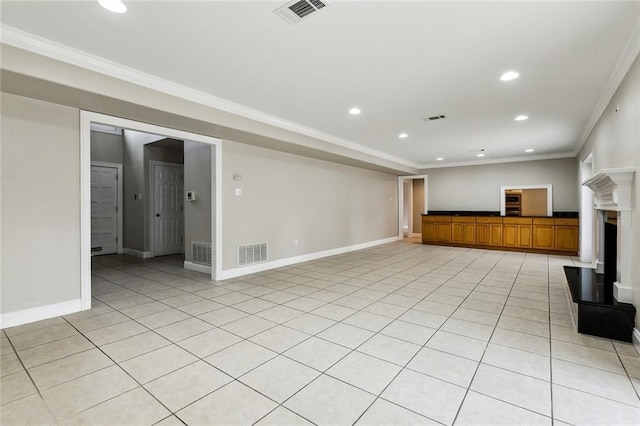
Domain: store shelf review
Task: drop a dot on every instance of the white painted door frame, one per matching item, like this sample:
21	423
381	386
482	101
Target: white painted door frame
425	209
119	186
152	202
86	118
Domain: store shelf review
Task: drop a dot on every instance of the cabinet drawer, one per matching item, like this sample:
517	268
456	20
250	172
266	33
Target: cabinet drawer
517	220
463	219
543	221
488	219
436	218
566	221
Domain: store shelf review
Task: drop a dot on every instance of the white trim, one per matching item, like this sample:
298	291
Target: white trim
636	339
85	211
622	293
138	253
627	58
415	234
238	272
118	167
25	316
152	202
86	118
549	188
401	180
197	267
86	60
440	165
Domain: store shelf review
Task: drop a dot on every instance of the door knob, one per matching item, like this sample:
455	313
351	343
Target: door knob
157	214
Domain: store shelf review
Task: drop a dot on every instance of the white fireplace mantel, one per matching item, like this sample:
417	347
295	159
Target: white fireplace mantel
612	189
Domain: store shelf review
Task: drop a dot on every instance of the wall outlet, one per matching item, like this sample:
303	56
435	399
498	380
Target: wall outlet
295	242
238	192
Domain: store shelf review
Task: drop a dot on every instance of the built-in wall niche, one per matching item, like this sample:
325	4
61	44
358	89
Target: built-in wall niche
526	200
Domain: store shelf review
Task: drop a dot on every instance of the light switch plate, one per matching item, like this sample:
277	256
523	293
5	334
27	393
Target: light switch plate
238	192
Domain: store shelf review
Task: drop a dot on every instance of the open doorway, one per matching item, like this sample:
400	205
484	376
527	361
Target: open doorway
141	189
412	203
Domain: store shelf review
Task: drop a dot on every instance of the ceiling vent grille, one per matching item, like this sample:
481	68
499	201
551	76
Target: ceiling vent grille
434	117
252	253
297	10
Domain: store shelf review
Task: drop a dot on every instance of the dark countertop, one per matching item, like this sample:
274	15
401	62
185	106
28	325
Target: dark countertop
489	213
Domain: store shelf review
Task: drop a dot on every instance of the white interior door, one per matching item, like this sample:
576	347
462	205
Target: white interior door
168	209
104	210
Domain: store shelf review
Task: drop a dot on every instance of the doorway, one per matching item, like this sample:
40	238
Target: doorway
86	121
167	189
412	203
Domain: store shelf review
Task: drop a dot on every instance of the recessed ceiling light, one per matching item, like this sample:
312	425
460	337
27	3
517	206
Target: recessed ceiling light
439	159
521	118
480	155
115	6
354	111
509	75
403	135
529	150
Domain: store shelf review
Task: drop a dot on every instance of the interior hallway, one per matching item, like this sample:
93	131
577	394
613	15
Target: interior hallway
397	334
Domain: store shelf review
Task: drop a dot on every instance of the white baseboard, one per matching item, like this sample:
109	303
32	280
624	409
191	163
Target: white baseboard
197	267
636	339
25	316
622	293
137	253
238	272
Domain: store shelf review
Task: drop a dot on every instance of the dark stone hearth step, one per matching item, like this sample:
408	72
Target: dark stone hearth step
598	313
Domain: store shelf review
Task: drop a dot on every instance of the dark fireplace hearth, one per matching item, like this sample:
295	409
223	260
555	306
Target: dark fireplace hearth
596	309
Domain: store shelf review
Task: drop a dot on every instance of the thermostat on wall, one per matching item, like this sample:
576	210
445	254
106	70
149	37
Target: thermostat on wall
191	195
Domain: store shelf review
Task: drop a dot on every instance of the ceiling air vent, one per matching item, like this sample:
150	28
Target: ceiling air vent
435	117
297	10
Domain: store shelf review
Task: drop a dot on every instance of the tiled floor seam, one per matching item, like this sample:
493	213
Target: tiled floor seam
485	349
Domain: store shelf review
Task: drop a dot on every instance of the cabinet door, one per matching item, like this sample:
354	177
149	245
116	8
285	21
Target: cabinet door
457	233
543	237
524	236
567	238
469	234
444	232
429	232
510	237
482	234
495	234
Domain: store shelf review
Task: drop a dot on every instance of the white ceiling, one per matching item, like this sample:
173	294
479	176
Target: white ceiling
399	61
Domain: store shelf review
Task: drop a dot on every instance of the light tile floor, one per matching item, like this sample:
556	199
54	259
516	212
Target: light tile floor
397	334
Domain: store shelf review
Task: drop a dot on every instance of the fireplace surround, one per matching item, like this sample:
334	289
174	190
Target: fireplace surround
602	295
613	192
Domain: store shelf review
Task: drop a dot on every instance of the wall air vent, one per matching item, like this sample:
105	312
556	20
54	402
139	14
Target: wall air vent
434	117
201	253
252	253
297	10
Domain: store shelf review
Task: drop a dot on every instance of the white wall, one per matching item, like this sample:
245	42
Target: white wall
615	143
106	147
286	197
197	177
477	188
40	204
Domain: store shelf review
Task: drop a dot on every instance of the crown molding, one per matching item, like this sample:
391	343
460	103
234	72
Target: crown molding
627	58
498	160
50	49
